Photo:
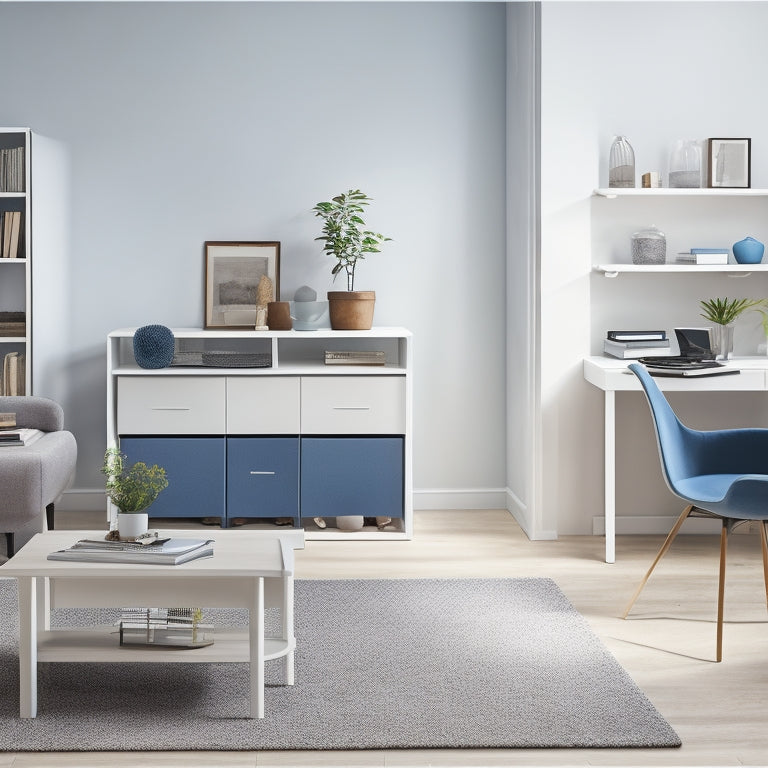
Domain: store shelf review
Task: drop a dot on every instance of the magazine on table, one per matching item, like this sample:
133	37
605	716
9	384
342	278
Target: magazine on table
161	552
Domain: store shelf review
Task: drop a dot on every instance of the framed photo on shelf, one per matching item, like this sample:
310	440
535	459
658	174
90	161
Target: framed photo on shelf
232	274
729	163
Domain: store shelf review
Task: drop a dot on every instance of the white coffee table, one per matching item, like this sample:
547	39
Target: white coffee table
249	569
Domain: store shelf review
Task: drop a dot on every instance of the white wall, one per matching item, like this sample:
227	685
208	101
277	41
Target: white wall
161	126
632	68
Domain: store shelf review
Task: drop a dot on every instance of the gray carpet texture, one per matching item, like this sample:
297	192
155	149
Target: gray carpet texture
380	664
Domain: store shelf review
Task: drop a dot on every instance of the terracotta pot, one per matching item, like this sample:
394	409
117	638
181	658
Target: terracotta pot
351	310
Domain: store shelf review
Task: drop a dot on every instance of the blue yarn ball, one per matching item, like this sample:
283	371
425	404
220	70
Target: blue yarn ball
153	346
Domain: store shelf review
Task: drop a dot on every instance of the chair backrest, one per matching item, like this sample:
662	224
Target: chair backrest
678	445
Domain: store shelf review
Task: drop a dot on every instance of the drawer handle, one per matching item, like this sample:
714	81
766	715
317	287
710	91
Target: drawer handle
170	408
255	472
351	407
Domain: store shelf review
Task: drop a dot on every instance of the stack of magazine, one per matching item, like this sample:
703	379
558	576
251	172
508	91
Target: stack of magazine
685	366
160	552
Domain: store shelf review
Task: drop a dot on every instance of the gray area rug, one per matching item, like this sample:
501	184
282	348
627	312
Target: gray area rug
380	664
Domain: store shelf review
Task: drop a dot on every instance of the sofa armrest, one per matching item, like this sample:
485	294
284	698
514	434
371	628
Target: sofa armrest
34	412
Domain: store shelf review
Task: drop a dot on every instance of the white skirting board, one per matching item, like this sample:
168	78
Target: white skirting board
659	524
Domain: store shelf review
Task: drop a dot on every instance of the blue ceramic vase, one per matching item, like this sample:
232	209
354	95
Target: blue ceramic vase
748	251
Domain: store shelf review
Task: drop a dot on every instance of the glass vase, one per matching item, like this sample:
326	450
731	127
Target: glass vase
722	342
685	164
621	163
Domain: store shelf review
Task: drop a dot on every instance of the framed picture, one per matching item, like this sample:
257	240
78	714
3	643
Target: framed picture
232	275
729	163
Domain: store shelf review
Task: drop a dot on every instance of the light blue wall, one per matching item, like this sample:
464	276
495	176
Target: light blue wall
164	125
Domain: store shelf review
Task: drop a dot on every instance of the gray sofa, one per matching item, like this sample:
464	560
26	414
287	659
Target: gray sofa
32	477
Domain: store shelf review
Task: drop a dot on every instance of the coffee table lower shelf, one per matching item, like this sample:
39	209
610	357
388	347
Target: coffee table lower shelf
102	644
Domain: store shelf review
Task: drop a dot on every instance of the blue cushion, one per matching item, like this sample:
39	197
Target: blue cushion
153	346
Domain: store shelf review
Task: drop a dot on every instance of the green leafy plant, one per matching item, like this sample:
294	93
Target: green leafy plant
725	311
132	489
344	234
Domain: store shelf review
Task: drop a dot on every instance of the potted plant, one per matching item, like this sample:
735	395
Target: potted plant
132	490
347	240
723	313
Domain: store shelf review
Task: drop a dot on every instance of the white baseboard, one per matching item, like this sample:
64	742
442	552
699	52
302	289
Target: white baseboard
656	524
459	498
83	500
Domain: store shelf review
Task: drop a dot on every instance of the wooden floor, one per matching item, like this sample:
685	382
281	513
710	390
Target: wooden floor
667	645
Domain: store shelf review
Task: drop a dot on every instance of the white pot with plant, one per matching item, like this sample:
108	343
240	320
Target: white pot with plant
346	239
132	490
723	313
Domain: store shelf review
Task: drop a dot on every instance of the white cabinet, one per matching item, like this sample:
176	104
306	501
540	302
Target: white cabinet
15	262
298	439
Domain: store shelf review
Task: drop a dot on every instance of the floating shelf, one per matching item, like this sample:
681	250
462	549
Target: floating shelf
612	192
733	270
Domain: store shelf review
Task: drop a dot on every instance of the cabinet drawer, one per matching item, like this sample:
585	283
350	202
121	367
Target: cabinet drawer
363	405
171	405
266	405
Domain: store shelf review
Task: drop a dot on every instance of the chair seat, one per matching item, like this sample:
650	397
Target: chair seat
702	488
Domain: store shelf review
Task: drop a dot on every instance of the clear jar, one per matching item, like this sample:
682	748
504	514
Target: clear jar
621	163
685	164
649	246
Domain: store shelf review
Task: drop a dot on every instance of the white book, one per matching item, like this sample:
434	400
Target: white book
627	353
164	552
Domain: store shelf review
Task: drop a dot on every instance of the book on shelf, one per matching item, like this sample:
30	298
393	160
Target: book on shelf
636	335
11	229
354	357
14	374
12	169
704	256
161	552
20	437
636	349
13	324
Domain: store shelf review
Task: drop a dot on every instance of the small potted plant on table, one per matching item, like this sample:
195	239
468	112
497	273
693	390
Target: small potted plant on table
132	490
347	241
723	313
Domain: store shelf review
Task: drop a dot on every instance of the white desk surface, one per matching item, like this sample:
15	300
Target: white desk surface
612	374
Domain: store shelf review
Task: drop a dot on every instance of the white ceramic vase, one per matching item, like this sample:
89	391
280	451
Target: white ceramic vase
349	522
133	524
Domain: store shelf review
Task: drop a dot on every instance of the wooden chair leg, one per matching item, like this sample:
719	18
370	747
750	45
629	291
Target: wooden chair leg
49	516
721	588
664	547
764	541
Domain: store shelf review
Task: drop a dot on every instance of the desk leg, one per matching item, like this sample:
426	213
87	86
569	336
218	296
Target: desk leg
256	637
610	476
27	646
43	605
288	674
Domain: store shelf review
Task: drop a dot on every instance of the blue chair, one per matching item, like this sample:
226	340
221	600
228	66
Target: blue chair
720	473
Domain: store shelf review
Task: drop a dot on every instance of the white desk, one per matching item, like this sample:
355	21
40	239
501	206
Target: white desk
611	375
249	569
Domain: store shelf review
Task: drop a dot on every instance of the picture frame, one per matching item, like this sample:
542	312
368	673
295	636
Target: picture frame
232	274
729	163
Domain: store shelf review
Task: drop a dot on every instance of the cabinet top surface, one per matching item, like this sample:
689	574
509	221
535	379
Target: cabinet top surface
321	333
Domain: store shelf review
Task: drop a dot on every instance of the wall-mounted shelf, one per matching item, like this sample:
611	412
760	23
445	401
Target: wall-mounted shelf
611	192
733	270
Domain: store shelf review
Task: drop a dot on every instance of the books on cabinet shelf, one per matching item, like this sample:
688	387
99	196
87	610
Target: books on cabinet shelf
12	169
14	374
11	234
704	256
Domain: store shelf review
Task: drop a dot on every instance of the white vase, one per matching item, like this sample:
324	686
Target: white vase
133	524
349	522
722	343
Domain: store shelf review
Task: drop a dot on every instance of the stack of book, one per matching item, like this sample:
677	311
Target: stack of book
704	256
26	436
158	552
345	357
635	344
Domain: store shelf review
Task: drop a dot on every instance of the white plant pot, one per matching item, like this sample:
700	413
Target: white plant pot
349	522
131	525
